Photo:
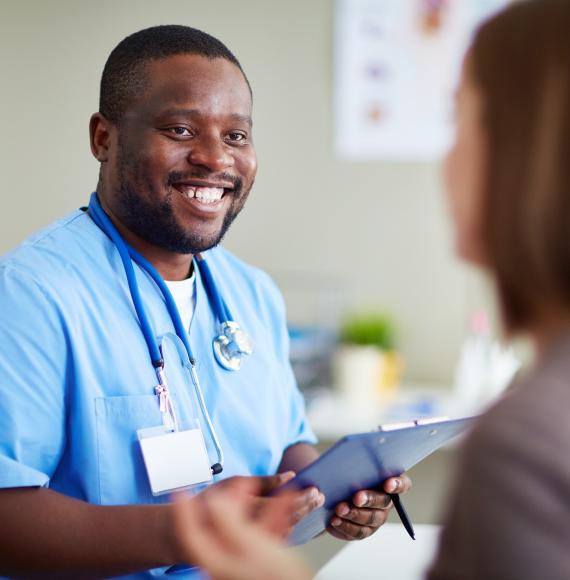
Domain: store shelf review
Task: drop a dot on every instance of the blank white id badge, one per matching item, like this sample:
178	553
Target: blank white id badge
174	460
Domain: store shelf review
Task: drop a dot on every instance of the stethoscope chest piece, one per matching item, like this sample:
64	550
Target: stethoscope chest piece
231	346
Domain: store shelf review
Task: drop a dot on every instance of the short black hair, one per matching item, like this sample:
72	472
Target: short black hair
123	75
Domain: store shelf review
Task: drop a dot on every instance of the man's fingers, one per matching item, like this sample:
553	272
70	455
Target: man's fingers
368	498
400	484
352	531
338	534
368	510
373	518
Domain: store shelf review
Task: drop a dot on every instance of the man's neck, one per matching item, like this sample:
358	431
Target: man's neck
170	265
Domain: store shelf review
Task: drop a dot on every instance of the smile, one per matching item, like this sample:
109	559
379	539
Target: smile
203	192
206	195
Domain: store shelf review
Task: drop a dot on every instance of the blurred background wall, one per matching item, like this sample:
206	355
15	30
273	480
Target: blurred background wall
374	234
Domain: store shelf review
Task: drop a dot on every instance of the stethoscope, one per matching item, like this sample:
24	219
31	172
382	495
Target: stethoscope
229	347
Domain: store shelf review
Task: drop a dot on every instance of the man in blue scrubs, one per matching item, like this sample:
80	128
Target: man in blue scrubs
174	139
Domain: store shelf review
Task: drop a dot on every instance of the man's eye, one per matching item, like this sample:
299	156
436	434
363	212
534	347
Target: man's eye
237	137
180	131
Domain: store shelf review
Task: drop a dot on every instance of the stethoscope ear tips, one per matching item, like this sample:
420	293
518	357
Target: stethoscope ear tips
217	468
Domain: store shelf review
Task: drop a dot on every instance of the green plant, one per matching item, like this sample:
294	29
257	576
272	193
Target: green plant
374	329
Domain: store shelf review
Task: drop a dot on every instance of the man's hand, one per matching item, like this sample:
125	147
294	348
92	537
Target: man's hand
367	511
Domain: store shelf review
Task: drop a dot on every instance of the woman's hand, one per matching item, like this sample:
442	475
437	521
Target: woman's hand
223	531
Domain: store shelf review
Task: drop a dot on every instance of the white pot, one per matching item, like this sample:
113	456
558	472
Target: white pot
357	373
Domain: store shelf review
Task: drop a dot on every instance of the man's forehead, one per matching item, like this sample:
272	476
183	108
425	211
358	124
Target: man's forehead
190	85
187	85
192	67
180	77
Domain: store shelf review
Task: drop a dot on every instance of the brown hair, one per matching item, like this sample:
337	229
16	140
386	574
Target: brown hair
520	61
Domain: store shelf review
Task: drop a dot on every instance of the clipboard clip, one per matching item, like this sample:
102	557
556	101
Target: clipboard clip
414	423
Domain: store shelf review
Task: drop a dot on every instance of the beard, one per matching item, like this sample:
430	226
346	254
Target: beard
156	223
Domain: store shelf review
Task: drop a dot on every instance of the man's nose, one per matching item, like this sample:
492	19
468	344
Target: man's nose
211	153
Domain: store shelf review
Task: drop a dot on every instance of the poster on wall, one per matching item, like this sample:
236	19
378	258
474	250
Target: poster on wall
397	63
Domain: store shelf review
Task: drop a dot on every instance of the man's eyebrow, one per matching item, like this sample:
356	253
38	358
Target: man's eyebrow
242	119
173	112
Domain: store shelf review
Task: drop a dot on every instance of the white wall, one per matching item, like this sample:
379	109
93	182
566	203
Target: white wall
379	229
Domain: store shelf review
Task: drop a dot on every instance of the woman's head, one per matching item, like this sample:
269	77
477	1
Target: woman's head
508	174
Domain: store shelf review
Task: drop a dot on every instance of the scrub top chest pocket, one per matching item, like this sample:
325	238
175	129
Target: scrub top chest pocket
122	475
123	421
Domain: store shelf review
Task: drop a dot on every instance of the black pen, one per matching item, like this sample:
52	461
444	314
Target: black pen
402	514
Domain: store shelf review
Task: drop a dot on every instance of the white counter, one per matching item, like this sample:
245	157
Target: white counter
390	554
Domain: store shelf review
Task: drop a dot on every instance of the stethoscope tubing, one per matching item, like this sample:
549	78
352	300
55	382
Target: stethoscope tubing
125	252
207	418
220	307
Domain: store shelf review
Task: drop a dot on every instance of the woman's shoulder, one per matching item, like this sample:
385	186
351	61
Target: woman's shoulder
531	423
507	515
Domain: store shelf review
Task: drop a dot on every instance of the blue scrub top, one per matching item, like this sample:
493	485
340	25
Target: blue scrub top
77	381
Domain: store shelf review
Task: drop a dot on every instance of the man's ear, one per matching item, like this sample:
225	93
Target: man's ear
100	131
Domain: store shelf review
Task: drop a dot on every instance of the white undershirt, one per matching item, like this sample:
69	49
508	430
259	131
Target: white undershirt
184	294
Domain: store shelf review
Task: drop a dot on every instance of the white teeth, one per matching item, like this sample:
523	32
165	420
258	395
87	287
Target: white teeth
204	194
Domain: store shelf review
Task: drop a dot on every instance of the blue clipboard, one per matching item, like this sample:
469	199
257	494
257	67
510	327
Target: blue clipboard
365	461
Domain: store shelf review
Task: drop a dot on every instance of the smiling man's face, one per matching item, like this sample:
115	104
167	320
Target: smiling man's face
183	162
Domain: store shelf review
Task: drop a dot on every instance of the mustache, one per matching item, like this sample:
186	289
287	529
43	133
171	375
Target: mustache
177	176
